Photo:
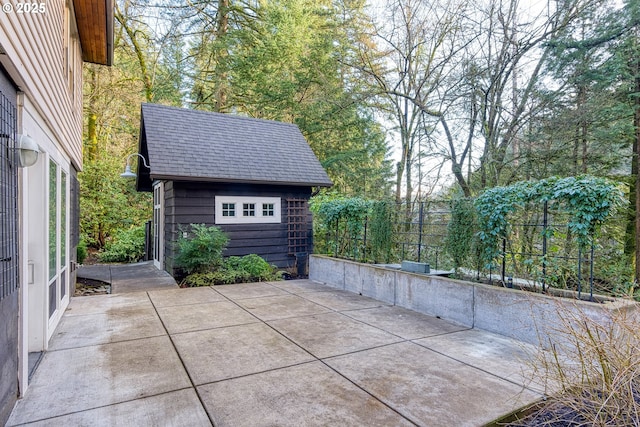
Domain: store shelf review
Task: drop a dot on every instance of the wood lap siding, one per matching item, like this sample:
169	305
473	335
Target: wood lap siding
40	65
194	203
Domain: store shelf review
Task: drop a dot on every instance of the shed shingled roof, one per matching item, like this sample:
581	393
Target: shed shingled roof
191	145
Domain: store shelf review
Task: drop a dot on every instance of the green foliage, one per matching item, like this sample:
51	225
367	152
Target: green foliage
249	268
108	203
589	201
81	251
125	246
341	220
461	232
201	251
381	231
256	267
286	61
220	277
615	276
352	210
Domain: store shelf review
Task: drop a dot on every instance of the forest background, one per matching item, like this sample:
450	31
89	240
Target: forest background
399	99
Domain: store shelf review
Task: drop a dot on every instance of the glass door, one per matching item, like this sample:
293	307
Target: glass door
58	281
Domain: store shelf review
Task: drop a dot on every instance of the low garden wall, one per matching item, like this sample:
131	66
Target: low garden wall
526	316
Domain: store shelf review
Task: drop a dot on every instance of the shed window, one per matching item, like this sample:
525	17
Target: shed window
250	210
228	209
267	209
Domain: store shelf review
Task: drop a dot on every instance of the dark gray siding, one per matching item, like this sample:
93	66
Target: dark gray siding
194	203
9	264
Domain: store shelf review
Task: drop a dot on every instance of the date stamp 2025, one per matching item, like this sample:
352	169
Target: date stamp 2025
24	8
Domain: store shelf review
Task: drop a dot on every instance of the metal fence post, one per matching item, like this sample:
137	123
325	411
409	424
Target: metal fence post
579	270
420	225
504	258
545	223
337	244
364	240
591	273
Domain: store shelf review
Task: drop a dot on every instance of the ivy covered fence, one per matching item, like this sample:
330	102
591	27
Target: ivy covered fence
560	232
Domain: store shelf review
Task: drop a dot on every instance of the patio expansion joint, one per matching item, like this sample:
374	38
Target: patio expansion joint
477	368
373	396
281	284
346	313
346	310
315	359
173	345
213	328
124	340
79	411
322	361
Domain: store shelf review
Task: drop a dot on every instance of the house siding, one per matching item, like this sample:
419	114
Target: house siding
194	203
42	59
34	45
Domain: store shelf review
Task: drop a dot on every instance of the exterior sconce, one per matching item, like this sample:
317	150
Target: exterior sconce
127	170
26	151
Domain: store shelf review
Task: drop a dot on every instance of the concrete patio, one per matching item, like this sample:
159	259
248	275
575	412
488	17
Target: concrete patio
288	353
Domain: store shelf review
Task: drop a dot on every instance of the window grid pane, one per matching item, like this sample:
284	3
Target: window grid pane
267	209
248	209
228	209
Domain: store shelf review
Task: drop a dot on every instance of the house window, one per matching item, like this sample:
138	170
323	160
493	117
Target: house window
267	209
228	209
70	47
248	209
255	210
58	236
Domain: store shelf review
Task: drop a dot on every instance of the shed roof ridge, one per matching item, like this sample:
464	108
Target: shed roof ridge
213	113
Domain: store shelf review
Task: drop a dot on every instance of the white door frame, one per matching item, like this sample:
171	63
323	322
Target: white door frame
158	225
36	291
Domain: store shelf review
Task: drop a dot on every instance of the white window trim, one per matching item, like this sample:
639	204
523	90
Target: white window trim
239	218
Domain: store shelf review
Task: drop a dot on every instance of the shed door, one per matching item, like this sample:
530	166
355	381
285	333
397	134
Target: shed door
158	225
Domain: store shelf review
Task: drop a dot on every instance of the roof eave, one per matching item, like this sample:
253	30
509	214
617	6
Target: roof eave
94	19
240	181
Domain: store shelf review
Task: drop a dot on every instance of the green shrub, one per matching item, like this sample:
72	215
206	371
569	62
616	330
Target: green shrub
221	277
126	246
380	231
249	268
255	266
461	233
81	251
201	251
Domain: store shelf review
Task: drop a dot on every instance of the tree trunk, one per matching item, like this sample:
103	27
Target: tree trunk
399	173
222	28
139	51
92	120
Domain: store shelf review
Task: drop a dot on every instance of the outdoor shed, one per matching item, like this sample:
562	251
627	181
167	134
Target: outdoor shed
252	178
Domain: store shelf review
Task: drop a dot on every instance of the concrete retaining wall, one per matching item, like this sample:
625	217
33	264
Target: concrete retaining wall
526	316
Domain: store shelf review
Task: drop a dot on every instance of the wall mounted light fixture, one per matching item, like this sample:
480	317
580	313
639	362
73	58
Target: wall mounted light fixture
127	170
26	151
